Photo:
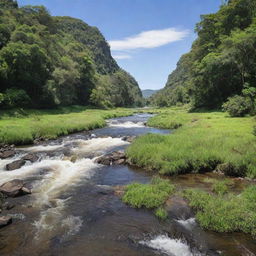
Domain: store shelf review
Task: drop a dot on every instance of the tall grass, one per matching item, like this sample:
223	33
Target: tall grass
225	212
22	127
203	142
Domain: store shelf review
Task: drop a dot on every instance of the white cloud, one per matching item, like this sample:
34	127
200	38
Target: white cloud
122	56
149	39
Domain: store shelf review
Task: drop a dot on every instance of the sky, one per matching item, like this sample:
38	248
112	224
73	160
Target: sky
147	37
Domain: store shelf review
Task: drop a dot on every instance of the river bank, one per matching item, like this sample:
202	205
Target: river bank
21	127
201	142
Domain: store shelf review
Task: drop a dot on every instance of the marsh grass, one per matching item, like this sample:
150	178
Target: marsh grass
204	142
150	196
225	212
24	127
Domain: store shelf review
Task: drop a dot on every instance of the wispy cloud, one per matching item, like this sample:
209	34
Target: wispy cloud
122	56
149	39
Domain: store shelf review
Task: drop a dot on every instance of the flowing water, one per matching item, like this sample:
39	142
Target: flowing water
73	209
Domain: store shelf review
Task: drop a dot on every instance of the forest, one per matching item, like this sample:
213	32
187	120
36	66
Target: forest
47	61
219	71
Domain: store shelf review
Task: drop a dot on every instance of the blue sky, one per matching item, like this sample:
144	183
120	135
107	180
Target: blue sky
147	37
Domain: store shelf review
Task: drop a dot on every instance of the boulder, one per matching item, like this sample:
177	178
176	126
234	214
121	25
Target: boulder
15	165
5	220
14	188
7	154
129	138
30	157
117	157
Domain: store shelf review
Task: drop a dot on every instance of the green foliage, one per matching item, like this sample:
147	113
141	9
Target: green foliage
220	187
59	61
161	213
15	98
204	142
237	106
151	195
221	62
225	213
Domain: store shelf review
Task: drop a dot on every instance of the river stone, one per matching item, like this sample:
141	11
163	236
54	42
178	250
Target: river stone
30	157
15	165
14	188
5	220
7	154
117	157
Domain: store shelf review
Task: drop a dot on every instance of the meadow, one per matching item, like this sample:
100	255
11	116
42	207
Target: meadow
199	142
24	126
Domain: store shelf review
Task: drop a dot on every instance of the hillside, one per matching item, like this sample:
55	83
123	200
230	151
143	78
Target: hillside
48	61
221	62
148	93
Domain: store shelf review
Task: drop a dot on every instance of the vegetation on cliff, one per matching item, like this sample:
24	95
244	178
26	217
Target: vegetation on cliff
48	61
221	63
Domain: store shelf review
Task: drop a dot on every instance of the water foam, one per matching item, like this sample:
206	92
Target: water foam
98	145
172	247
127	124
187	223
43	148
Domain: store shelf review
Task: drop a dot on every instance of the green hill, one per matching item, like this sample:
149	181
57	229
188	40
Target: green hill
221	62
48	61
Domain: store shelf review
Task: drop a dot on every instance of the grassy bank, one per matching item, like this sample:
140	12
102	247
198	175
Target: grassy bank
23	126
202	142
224	212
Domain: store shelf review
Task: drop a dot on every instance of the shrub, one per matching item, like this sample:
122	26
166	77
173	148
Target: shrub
237	106
16	98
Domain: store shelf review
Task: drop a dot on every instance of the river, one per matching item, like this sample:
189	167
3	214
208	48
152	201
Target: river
74	210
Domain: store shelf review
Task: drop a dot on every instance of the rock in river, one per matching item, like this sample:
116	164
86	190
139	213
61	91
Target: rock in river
7	154
30	157
15	165
117	157
14	188
5	220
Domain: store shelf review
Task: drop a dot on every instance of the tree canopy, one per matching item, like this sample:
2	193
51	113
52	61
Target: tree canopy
58	61
222	60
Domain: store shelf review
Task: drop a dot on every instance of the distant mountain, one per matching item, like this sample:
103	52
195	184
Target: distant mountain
147	93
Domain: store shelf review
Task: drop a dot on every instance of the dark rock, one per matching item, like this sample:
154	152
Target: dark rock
14	188
5	220
7	154
15	165
8	206
117	157
30	157
129	138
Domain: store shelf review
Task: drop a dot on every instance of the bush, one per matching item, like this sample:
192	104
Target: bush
16	98
237	106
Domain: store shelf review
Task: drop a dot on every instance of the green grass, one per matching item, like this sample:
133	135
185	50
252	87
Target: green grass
150	196
221	187
161	213
23	126
225	212
203	142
